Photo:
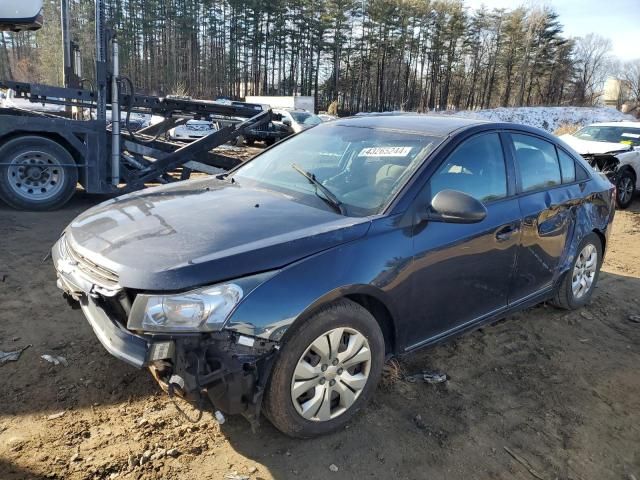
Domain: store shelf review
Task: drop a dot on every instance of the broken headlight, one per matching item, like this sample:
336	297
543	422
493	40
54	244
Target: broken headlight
200	310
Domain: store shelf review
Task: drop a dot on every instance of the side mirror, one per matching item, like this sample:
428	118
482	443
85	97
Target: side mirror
453	206
286	122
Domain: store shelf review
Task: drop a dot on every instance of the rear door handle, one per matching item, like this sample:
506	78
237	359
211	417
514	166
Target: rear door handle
506	232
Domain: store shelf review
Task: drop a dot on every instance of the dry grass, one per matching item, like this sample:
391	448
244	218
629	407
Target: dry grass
567	128
392	373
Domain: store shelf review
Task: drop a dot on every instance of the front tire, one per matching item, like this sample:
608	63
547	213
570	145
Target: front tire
625	189
39	174
326	371
579	282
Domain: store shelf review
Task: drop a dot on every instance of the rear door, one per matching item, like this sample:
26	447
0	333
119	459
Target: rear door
550	185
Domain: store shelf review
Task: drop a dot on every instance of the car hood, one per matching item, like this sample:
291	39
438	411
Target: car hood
204	231
585	147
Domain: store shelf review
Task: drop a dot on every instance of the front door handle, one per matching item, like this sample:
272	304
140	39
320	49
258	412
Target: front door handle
506	232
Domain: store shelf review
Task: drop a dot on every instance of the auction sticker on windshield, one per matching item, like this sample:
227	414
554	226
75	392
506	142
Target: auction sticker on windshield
385	152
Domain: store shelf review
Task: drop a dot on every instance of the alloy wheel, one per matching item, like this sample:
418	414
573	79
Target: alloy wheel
331	374
584	271
625	189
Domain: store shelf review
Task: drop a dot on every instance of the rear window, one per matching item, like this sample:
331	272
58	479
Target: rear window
306	118
567	167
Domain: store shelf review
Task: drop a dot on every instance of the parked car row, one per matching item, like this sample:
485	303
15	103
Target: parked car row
291	121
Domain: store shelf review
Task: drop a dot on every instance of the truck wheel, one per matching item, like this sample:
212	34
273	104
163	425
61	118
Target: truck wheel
326	371
37	174
269	141
625	189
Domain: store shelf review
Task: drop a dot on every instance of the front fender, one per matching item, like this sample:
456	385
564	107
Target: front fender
374	265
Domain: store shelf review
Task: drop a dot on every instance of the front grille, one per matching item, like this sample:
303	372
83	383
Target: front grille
97	274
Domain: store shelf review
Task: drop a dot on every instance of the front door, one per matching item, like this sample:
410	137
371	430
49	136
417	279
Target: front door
462	272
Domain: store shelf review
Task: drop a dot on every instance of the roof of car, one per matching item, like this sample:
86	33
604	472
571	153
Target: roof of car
625	124
439	125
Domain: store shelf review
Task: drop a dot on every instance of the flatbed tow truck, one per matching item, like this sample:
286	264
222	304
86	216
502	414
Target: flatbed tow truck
43	156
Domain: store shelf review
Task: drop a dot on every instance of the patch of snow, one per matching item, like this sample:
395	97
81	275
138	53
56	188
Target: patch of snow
547	118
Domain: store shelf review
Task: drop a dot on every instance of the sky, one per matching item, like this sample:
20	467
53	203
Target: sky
618	20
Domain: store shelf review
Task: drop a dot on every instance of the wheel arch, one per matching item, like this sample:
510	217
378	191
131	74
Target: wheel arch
603	239
369	298
566	265
630	168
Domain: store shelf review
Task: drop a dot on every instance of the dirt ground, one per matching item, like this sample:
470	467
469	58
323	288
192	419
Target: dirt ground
544	394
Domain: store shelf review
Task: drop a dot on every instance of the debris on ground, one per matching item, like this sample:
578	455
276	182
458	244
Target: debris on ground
524	463
634	318
419	422
586	314
12	356
173	452
236	476
55	359
56	415
426	376
333	467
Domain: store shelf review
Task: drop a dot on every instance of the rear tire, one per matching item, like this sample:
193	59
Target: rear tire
38	174
572	292
625	189
337	381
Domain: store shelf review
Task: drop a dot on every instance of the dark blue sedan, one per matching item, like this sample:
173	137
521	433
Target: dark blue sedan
284	285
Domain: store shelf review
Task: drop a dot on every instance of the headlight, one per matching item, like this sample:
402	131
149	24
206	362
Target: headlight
200	310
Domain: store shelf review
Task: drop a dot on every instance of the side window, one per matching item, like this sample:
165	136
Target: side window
537	162
581	174
567	167
476	168
630	136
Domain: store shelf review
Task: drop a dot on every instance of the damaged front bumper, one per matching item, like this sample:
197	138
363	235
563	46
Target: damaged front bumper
225	368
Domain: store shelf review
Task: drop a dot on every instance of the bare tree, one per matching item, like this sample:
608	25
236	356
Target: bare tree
631	76
592	61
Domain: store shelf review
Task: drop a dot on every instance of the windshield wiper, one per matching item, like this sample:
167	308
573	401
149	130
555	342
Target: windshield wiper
327	196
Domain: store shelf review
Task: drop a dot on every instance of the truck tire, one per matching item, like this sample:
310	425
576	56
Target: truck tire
37	173
625	188
326	371
269	141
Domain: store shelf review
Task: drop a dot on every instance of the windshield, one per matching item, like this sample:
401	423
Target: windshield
363	168
624	135
306	118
